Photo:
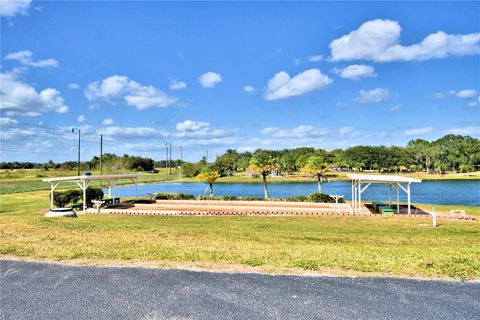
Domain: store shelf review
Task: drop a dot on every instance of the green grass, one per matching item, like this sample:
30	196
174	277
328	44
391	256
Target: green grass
388	246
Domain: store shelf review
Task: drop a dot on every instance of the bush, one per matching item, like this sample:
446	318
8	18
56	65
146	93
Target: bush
142	201
173	196
322	197
93	194
297	199
250	198
229	198
62	198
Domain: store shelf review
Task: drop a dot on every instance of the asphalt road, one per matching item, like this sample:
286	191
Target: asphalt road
52	291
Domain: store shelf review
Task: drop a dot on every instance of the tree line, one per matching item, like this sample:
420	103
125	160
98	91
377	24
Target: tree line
449	153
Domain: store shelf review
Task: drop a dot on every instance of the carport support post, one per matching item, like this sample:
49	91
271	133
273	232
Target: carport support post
84	185
398	199
408	197
84	197
389	195
352	193
52	188
359	196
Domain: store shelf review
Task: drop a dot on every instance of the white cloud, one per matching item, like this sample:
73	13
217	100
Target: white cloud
315	58
132	132
199	130
5	121
12	8
248	89
418	131
73	86
467	94
356	72
81	118
372	96
134	94
441	95
107	121
395	108
300	132
379	40
466	131
473	104
22	99
25	57
189	125
210	79
348	132
177	85
281	86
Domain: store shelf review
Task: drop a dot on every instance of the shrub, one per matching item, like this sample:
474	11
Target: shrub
208	198
297	199
322	197
173	196
62	198
250	198
143	201
229	198
93	194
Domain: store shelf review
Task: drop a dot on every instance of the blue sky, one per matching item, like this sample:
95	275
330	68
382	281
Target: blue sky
212	76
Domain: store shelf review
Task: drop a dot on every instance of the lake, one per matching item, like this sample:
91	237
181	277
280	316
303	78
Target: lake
453	192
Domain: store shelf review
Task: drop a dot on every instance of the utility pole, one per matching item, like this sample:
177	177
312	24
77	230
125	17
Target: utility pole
166	158
101	154
181	162
207	157
78	160
170	159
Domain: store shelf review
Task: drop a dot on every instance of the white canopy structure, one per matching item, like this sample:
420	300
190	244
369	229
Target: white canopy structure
84	182
360	182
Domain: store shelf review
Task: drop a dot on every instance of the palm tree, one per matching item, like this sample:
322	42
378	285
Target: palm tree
209	176
315	166
263	163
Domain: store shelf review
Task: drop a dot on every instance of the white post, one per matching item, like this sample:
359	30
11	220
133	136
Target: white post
51	195
53	186
359	196
434	218
389	195
352	193
398	199
84	197
408	197
136	188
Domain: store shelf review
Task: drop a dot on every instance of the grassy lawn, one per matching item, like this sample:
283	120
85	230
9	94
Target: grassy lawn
390	246
25	180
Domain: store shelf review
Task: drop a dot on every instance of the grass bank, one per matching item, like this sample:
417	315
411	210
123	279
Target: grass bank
390	246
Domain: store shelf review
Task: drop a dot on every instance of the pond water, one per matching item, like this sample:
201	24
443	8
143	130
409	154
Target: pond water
453	192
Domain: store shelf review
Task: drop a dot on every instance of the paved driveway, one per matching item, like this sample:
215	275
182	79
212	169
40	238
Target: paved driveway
52	291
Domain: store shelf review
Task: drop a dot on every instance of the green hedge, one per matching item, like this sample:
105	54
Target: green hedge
173	196
313	197
63	198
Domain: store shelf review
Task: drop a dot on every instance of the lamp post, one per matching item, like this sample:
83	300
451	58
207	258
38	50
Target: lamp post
78	161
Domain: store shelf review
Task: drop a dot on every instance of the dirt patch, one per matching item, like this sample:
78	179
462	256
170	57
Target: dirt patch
227	268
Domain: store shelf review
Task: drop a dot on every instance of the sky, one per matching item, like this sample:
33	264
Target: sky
211	76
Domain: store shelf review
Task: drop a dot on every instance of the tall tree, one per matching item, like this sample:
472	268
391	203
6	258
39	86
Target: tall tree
263	163
316	167
209	176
